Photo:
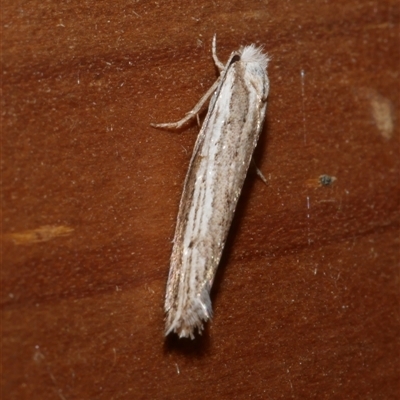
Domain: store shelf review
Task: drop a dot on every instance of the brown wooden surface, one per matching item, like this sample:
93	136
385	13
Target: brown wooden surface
306	299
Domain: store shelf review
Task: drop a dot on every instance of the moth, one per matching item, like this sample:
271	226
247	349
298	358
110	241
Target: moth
217	170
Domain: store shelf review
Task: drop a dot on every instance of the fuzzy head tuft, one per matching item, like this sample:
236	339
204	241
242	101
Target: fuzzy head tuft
253	54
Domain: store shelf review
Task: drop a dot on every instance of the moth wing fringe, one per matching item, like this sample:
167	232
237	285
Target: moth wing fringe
185	322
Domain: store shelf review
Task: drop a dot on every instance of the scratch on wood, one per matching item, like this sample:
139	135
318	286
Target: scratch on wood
39	235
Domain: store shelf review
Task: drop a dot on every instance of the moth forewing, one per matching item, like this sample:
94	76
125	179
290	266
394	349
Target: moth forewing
217	170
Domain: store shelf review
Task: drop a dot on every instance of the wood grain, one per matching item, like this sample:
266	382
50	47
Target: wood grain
306	299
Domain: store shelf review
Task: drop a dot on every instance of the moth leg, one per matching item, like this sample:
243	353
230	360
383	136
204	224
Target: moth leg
191	114
218	63
258	172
